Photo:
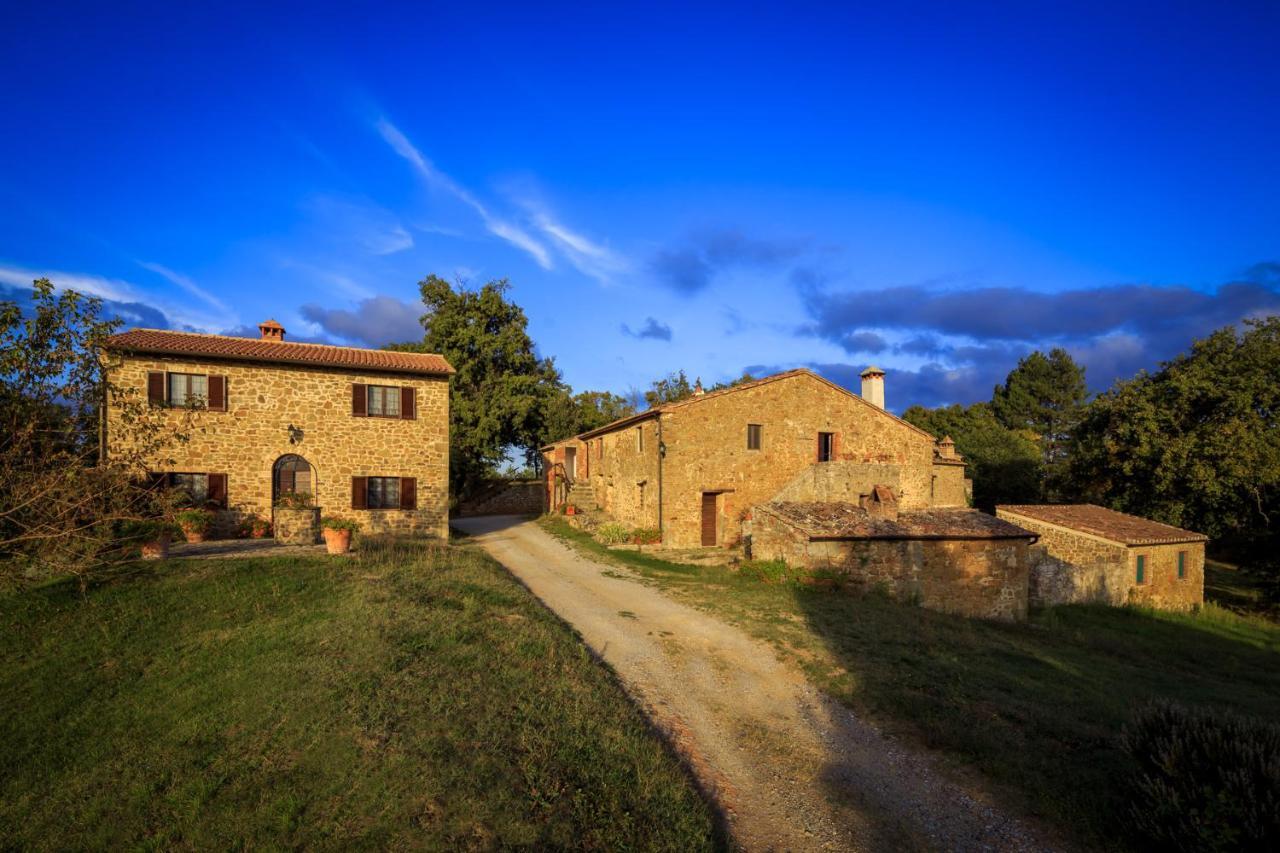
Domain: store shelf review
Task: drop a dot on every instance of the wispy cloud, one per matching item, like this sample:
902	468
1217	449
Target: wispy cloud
124	298
186	283
501	228
587	256
690	267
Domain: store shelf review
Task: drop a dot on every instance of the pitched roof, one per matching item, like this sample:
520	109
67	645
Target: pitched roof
755	383
1105	523
164	342
844	520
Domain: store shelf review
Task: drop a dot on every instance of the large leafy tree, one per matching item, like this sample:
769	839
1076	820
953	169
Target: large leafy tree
1197	443
1005	464
1044	394
669	389
569	414
500	396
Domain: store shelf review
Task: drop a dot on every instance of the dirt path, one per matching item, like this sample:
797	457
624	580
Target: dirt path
791	768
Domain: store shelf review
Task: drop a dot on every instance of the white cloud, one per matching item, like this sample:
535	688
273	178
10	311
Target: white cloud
358	222
590	258
513	234
186	283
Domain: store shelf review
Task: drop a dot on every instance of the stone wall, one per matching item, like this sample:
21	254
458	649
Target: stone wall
981	577
1072	567
263	401
511	497
950	488
839	481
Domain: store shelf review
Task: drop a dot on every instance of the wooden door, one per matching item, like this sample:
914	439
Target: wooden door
709	518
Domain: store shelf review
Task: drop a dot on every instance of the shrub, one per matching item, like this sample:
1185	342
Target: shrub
612	533
646	536
196	520
147	530
1205	780
769	571
294	500
331	523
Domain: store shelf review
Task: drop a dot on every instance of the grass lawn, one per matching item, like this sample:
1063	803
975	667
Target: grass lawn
1035	708
415	696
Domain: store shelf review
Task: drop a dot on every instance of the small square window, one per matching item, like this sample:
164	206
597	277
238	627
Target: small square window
384	401
188	389
383	493
1142	568
755	436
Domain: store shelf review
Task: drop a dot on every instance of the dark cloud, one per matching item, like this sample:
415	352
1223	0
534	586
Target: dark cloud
376	321
690	268
130	314
864	342
651	329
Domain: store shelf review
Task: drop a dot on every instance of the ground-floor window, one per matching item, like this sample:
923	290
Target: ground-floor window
826	446
195	486
1142	568
384	493
1182	565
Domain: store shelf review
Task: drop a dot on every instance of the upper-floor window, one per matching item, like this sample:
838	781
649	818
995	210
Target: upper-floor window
187	390
384	401
755	433
1141	575
1182	565
639	439
826	446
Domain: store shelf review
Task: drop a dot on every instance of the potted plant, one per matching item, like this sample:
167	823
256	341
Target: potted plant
153	537
337	534
570	509
195	523
258	527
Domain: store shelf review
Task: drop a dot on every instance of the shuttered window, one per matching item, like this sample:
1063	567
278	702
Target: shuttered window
187	390
1142	568
755	433
384	401
201	489
384	493
1182	565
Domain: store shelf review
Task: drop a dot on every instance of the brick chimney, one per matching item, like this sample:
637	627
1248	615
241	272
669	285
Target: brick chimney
947	448
873	386
271	331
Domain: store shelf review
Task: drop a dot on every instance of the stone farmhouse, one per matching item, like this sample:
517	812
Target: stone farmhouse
364	432
778	464
1088	553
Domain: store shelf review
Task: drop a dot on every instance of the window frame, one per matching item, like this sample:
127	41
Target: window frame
1182	565
200	401
369	491
830	448
175	484
756	430
386	392
1140	570
639	439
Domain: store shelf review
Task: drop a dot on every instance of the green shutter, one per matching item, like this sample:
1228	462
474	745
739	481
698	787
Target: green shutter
1142	568
1182	564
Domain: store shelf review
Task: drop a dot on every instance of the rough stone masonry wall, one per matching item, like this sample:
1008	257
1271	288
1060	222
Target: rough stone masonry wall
839	481
1071	567
707	450
516	497
264	400
949	485
624	473
986	578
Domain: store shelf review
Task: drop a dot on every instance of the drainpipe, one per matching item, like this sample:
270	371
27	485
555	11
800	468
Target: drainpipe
662	452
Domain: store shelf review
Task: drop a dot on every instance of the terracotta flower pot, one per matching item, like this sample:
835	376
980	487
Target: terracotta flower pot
337	541
192	534
157	549
571	510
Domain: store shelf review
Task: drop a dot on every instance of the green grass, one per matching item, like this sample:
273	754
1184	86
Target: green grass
416	696
1035	708
1237	590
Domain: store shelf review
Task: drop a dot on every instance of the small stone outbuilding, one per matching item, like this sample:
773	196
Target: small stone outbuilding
1090	554
954	560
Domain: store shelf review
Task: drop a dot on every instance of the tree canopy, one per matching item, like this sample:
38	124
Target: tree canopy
1044	395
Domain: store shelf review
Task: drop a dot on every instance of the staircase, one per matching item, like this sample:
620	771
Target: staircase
582	495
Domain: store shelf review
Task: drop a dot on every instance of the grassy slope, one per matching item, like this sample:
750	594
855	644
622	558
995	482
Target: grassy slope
1036	708
419	698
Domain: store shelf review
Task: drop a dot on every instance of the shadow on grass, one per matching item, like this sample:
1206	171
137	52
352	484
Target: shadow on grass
1038	708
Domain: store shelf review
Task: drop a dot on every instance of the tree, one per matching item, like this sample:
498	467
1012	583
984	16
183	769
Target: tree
568	414
669	389
501	393
1005	464
1196	444
64	502
1046	395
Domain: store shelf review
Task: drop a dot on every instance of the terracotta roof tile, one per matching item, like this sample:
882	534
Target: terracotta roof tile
843	520
162	342
1105	523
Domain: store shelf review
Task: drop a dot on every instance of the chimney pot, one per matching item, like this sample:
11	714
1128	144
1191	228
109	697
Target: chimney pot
697	388
873	386
271	331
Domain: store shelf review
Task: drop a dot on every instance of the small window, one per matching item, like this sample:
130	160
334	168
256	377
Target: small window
639	439
188	389
755	433
1142	568
1182	565
384	493
196	487
826	446
384	401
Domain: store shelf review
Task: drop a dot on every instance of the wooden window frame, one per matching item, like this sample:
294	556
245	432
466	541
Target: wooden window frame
215	487
406	397
406	493
387	392
758	431
1140	570
830	448
1182	565
215	390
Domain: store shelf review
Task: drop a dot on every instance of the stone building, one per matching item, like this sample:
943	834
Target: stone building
694	468
1088	553
364	432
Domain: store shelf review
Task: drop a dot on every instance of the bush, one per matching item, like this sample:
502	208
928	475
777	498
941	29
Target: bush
195	520
1205	780
331	523
769	571
147	530
612	533
646	536
294	500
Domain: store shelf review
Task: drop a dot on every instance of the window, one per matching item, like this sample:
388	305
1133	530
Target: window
639	439
188	389
195	485
754	435
384	401
384	493
826	446
1142	568
1182	565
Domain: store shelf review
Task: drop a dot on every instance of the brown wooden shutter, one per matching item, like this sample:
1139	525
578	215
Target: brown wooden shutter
359	492
155	387
359	400
218	490
835	447
218	393
817	450
406	404
408	493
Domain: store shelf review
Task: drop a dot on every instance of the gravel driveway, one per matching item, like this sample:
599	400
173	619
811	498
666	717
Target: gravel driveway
790	768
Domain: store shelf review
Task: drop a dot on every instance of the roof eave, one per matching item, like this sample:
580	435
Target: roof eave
293	362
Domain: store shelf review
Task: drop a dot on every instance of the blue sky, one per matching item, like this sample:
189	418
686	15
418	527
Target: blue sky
933	188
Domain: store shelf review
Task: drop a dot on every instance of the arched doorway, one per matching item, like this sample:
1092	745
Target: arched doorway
292	475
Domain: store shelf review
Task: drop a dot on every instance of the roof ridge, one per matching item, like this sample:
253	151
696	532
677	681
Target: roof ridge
267	341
